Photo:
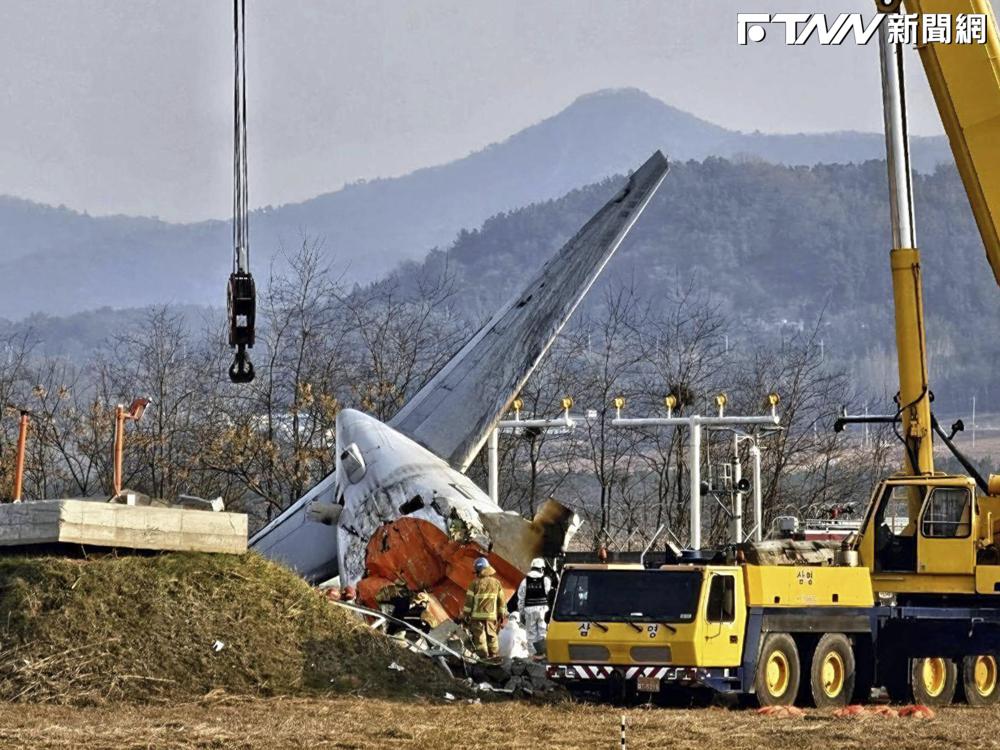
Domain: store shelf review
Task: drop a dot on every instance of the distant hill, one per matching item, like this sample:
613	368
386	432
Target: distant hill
778	249
59	261
77	336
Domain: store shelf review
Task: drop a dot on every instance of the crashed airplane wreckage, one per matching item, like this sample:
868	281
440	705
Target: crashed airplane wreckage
398	508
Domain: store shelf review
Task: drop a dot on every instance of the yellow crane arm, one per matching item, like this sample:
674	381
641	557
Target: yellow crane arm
965	81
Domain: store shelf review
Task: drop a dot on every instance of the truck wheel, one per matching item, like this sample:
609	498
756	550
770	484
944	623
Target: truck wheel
831	677
980	682
777	678
933	680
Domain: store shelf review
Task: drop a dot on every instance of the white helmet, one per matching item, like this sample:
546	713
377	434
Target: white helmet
538	564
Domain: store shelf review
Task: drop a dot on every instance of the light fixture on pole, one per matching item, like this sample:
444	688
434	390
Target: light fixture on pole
563	422
134	414
694	423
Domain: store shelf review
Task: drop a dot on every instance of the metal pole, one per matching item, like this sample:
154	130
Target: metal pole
694	471
493	467
737	495
22	439
119	447
758	511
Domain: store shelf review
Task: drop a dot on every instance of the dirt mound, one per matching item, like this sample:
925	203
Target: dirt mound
179	625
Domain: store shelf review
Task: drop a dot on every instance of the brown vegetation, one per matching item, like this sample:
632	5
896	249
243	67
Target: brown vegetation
362	723
177	626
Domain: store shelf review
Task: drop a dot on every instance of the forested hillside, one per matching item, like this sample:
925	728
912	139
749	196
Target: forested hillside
778	249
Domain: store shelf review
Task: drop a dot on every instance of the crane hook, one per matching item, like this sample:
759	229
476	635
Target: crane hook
241	370
242	299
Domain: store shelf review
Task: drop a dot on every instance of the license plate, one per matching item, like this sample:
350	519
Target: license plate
648	684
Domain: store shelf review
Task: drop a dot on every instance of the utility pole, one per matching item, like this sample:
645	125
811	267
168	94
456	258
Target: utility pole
758	502
737	492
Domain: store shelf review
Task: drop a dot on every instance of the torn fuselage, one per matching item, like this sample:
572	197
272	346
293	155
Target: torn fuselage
409	517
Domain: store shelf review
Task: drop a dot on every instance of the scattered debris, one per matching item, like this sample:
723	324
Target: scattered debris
193	502
852	710
446	645
916	711
488	688
217	646
396	667
782	712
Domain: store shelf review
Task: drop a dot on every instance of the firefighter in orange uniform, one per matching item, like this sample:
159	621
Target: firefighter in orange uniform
485	610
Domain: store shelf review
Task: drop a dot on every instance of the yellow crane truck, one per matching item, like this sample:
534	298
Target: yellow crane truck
912	601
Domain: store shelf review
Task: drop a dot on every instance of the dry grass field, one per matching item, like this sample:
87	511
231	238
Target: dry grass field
347	722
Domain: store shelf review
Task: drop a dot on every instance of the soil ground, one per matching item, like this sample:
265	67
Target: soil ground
351	722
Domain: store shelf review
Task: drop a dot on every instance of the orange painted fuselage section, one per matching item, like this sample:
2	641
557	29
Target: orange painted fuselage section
426	559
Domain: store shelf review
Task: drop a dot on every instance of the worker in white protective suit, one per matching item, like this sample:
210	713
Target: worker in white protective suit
533	603
513	640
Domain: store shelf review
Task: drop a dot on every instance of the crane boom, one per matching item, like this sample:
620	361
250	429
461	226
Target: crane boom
907	285
965	81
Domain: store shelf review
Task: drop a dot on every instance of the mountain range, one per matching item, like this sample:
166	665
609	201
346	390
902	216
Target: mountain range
58	261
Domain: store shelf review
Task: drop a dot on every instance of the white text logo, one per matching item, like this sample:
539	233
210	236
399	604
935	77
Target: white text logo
901	28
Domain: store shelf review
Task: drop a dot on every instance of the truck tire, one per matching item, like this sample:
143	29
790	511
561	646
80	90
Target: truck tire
832	673
980	680
933	680
777	680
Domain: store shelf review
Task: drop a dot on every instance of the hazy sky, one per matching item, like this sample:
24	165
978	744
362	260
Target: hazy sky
124	106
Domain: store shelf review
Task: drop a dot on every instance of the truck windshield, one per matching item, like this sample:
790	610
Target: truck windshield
628	595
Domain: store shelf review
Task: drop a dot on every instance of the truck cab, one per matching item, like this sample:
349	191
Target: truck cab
727	626
930	535
626	627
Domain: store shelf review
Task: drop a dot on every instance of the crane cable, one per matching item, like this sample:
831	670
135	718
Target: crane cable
242	294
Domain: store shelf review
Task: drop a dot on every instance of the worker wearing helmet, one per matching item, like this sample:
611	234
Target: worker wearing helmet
485	610
533	602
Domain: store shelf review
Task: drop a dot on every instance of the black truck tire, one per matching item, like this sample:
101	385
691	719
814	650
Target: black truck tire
980	680
777	680
933	680
832	672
